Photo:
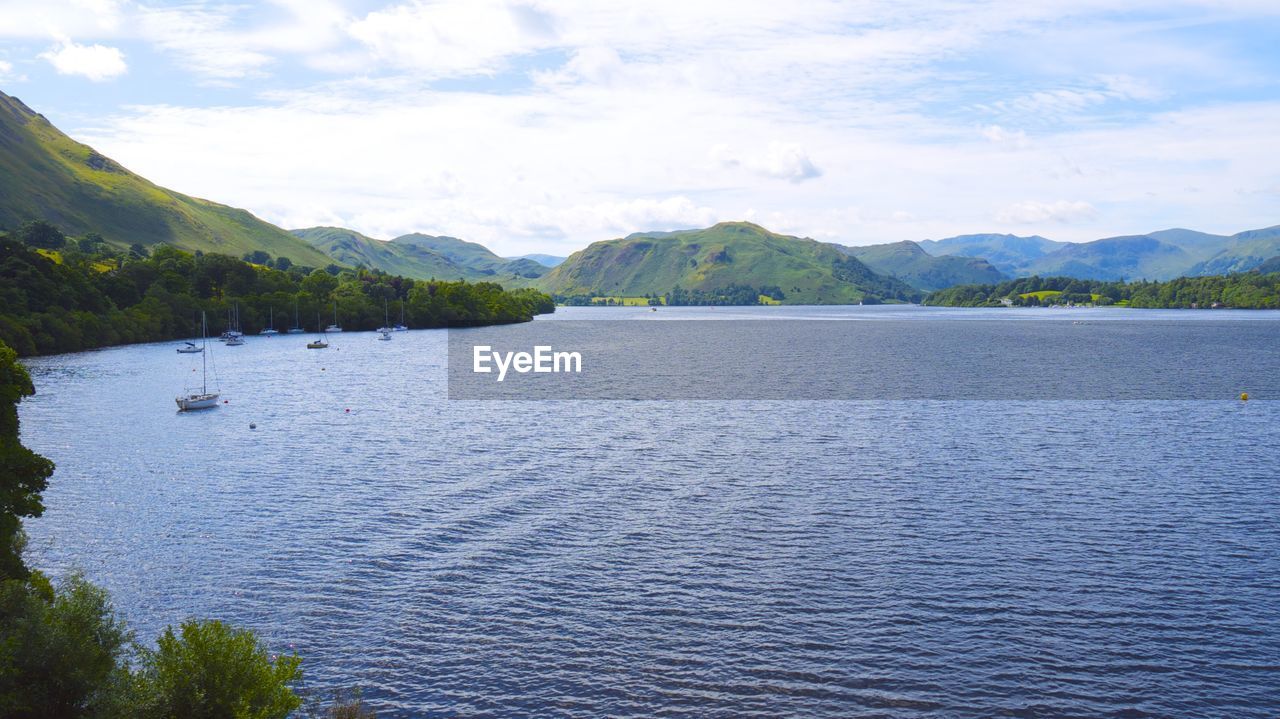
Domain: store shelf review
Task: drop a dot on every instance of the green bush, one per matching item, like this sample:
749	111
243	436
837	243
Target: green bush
61	650
210	670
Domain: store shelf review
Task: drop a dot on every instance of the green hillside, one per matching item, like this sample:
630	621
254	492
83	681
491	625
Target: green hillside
352	248
474	256
730	253
46	175
910	263
1246	251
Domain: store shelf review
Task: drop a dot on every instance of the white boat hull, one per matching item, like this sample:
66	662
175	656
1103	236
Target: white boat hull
197	401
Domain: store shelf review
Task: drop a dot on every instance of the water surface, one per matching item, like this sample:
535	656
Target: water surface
695	559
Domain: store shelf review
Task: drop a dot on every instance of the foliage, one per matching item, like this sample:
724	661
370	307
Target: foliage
1246	290
209	670
60	650
41	234
101	298
23	473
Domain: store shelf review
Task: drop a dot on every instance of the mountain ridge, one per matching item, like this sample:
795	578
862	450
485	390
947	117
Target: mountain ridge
47	175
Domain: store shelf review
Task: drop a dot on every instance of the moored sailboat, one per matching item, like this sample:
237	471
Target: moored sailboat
296	329
204	399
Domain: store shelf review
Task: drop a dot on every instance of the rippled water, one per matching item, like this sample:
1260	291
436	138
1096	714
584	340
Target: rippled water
698	559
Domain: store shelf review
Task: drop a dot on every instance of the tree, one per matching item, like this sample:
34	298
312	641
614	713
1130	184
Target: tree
210	670
23	473
137	250
62	650
41	234
283	263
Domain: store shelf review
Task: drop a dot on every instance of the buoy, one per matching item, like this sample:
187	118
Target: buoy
1244	396
252	425
226	401
348	410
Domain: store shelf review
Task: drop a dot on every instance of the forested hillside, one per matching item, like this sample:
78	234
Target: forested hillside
58	295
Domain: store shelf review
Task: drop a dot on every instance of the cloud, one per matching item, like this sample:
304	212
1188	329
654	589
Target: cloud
1016	139
453	37
95	62
1030	212
780	161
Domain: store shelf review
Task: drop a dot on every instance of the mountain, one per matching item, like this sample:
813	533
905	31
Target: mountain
48	176
1159	255
1245	251
1271	265
544	260
352	248
730	253
909	262
474	256
1007	253
1115	258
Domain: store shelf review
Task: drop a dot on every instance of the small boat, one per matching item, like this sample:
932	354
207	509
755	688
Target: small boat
234	341
400	327
233	327
204	399
386	324
335	327
190	348
296	329
386	335
318	343
271	323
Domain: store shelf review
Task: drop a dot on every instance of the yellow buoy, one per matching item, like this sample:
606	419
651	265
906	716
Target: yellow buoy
1244	396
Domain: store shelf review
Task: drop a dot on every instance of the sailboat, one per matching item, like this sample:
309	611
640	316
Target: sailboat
318	343
335	327
233	337
386	323
296	329
400	327
271	323
204	399
190	348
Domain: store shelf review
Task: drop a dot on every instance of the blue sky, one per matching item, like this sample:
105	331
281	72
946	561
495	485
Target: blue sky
539	126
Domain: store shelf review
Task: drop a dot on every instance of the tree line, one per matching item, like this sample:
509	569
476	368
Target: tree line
60	294
1245	290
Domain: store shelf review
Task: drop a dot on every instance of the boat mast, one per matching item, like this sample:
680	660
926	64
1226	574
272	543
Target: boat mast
204	357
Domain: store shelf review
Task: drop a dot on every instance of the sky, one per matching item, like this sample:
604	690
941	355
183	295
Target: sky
542	126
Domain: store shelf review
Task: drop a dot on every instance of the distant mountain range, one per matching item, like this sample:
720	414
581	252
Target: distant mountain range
46	175
1159	255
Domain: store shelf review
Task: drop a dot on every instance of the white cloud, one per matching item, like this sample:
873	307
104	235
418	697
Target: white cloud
95	62
780	160
1031	212
453	37
1008	138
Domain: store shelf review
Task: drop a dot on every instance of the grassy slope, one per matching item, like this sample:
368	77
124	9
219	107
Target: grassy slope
910	263
1247	251
352	248
475	256
46	175
728	253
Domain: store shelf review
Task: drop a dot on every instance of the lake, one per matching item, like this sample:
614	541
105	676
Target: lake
713	558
